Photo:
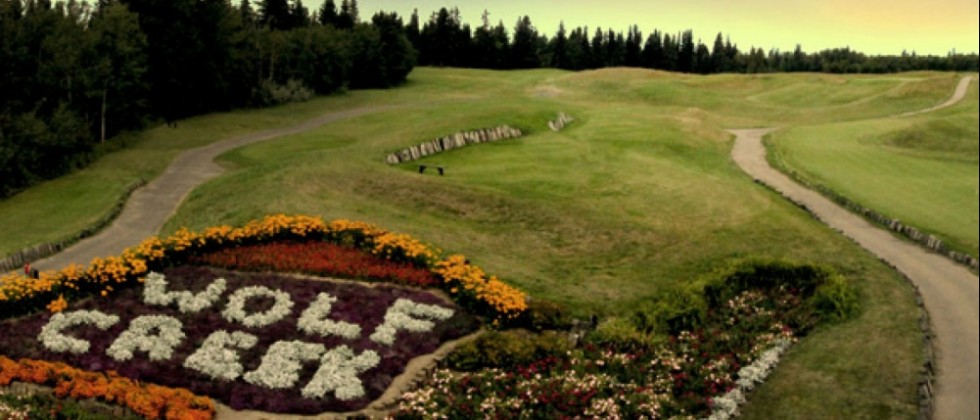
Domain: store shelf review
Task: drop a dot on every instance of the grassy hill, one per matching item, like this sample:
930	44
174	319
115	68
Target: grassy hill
637	196
922	170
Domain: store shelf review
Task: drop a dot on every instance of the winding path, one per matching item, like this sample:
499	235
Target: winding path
949	291
150	206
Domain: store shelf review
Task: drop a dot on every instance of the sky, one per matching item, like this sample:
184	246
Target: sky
870	26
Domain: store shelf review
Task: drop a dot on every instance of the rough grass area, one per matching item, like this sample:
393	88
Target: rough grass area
922	170
637	196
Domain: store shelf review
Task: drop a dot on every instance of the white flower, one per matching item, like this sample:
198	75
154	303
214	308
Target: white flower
160	346
215	359
338	373
399	317
726	406
155	293
52	338
281	364
235	312
314	320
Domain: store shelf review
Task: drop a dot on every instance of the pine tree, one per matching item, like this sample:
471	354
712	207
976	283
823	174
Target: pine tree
413	31
598	49
346	17
328	13
685	54
719	59
559	49
275	14
524	50
299	15
653	52
633	41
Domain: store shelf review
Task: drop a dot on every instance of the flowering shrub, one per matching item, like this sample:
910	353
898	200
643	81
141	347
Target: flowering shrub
148	400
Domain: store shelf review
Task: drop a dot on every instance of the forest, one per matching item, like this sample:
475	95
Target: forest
75	74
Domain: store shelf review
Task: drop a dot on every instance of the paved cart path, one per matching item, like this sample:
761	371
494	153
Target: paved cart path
150	206
949	291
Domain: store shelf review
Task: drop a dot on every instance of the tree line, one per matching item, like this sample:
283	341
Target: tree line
73	73
445	40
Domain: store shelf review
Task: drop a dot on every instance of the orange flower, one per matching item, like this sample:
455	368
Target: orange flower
58	304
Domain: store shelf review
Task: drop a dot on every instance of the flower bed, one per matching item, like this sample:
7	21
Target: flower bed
317	258
622	370
148	400
21	295
346	341
254	341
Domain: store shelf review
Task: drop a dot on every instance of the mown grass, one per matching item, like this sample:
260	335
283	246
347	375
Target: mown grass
922	170
636	196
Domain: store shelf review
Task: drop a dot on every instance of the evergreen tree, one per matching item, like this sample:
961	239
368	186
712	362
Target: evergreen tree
703	63
328	13
633	47
598	49
275	14
348	14
653	52
413	31
685	53
559	49
246	12
671	53
719	58
299	15
524	50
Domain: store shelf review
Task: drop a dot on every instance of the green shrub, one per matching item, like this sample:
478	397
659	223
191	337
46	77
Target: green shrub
672	311
508	349
545	315
269	93
621	334
835	300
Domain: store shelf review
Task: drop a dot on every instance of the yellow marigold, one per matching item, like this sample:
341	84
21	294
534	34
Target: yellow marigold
343	225
388	244
58	304
502	298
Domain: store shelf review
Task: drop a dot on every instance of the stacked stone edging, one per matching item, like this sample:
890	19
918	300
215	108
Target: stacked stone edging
927	240
37	252
559	123
453	141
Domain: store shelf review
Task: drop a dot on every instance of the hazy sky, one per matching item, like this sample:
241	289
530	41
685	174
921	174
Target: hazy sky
870	26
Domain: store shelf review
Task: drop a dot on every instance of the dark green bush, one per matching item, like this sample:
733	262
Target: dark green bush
544	315
672	311
621	334
508	349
